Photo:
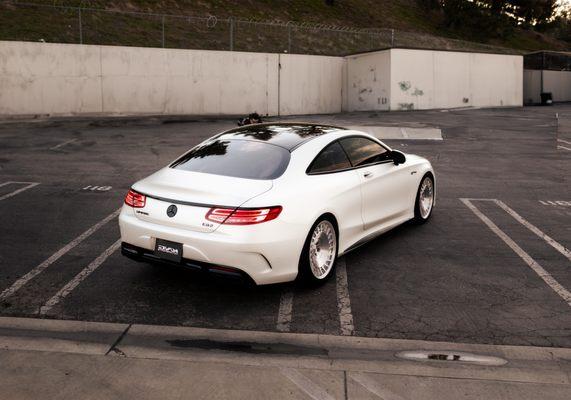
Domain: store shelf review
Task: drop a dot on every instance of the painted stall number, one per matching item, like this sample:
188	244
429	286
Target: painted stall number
555	203
97	188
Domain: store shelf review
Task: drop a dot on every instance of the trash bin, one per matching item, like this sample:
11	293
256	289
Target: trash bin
546	99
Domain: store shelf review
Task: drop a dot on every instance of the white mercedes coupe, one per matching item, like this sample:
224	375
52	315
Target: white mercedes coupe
272	202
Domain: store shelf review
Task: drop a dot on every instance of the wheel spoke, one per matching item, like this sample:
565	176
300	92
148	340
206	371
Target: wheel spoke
322	249
426	197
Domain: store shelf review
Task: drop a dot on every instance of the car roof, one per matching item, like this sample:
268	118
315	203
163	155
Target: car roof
288	135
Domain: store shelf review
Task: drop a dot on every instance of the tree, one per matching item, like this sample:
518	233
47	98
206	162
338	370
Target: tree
526	12
430	4
476	19
532	12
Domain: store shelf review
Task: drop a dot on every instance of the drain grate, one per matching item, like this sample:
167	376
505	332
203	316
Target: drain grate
453	356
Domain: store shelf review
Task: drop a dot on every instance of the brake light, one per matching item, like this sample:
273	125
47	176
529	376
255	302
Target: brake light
243	216
135	200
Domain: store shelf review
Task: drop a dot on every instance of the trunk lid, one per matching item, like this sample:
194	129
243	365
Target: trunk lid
193	194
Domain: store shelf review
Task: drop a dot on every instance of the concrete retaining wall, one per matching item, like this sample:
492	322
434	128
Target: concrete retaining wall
444	79
49	78
147	80
531	86
368	81
310	84
558	83
426	79
67	79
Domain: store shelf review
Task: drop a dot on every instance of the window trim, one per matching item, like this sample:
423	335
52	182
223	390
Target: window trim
307	172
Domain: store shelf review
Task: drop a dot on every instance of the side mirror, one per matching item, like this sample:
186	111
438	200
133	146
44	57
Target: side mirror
398	157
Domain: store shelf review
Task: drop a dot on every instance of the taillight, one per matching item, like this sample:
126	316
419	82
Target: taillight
135	200
243	216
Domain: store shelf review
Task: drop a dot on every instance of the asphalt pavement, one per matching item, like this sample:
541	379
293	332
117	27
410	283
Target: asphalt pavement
491	267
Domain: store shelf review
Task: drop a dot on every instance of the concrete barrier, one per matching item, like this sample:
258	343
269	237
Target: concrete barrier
310	84
368	82
38	78
427	79
532	86
71	79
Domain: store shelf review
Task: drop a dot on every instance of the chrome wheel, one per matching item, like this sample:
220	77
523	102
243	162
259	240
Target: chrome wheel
426	197
322	249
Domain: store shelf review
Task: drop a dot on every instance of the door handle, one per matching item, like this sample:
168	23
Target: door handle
367	174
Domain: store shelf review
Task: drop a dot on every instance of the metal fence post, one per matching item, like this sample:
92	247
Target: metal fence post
289	37
231	20
163	27
80	26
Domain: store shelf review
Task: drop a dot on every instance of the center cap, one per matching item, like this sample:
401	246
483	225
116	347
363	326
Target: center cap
171	211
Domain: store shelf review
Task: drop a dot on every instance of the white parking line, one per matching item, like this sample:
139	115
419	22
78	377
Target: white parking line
564	148
54	257
310	388
57	146
564	141
64	291
538	269
285	310
15	192
553	243
343	300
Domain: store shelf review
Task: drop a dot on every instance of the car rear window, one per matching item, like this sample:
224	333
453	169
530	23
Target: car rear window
236	158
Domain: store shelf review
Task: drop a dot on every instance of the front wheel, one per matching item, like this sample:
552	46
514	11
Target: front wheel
319	253
424	199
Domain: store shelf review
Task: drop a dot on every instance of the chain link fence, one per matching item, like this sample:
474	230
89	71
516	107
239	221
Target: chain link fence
83	25
548	60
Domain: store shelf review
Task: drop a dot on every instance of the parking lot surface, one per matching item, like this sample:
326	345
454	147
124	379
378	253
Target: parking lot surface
492	266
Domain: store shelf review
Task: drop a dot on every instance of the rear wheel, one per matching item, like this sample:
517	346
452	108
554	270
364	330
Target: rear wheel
319	253
424	199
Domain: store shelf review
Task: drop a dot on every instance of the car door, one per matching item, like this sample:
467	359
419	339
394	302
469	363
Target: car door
332	173
383	184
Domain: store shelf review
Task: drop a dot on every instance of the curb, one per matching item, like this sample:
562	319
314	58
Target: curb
252	348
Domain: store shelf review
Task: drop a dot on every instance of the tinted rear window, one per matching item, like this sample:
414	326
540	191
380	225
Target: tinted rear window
236	158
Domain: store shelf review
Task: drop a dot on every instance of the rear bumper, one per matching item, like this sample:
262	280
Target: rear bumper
140	254
267	254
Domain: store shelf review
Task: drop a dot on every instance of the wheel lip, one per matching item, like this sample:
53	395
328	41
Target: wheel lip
332	250
425	212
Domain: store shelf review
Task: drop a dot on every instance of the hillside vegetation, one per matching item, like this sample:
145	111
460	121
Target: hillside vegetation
415	25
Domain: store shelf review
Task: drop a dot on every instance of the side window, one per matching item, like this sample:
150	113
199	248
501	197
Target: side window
363	151
331	159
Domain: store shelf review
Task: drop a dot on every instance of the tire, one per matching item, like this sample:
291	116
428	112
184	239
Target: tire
422	208
321	241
